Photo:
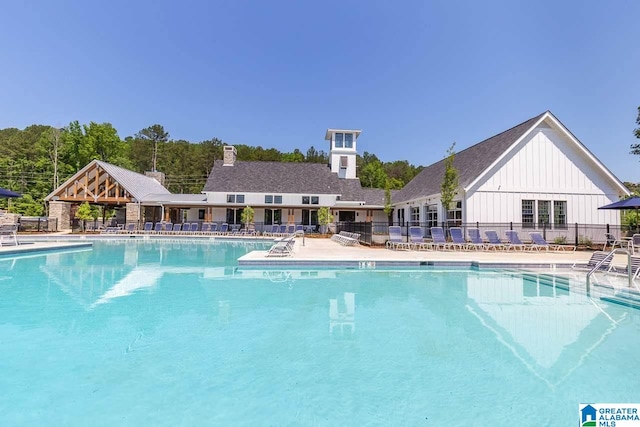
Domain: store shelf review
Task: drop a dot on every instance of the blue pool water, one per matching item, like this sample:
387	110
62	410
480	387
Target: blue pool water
173	333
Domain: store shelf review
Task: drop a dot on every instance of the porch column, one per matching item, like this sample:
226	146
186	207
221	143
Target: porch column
132	214
60	213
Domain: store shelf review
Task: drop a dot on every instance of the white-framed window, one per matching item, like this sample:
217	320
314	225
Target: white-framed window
544	212
454	216
234	215
431	212
348	140
273	199
315	200
560	214
268	199
339	139
272	216
527	213
235	198
415	215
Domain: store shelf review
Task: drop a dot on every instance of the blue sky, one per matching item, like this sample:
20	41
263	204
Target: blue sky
413	75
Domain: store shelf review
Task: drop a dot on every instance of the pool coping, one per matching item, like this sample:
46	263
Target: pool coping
40	247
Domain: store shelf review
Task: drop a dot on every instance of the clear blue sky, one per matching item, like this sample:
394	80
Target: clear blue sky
414	76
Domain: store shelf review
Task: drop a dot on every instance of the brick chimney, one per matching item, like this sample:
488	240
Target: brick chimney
230	154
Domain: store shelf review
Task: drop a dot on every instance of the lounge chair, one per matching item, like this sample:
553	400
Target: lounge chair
148	227
613	241
299	230
346	238
224	229
291	229
635	268
635	243
206	228
416	239
396	241
177	228
515	242
438	238
457	239
157	228
596	258
475	238
194	228
282	230
9	234
273	231
540	243
494	240
282	247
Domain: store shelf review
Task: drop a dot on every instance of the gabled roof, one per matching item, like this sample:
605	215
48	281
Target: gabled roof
470	162
136	185
273	177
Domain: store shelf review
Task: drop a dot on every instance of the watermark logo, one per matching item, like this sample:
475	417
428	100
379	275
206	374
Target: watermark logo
609	414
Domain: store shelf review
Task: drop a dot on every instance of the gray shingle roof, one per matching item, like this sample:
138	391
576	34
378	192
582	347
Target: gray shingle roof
136	184
470	162
273	177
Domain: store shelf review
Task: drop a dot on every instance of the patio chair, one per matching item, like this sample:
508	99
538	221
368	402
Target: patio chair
438	238
282	247
634	266
214	228
224	229
291	229
10	232
273	231
540	243
457	239
475	238
613	241
635	243
282	230
157	228
494	240
396	241
177	228
194	228
299	230
515	242
596	258
206	228
416	239
148	227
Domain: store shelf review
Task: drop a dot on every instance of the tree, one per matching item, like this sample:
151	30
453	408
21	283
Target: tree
635	148
388	207
373	175
449	187
51	143
104	140
156	135
84	213
324	218
77	152
247	216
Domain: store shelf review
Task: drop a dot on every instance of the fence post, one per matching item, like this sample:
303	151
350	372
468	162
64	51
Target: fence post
608	229
576	243
406	226
544	230
511	226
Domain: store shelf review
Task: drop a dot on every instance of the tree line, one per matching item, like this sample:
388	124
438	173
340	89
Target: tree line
36	160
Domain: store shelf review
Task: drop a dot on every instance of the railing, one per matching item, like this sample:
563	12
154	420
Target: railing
38	223
610	257
365	230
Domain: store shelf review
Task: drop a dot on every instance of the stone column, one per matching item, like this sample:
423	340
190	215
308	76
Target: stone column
60	212
133	213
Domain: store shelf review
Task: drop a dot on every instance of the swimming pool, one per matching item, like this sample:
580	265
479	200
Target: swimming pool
172	333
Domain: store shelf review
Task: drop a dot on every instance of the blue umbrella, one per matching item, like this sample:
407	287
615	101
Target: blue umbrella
8	193
630	203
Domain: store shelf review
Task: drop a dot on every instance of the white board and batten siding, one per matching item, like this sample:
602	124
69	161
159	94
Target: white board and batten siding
545	165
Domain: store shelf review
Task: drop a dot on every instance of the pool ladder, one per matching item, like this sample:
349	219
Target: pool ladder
610	257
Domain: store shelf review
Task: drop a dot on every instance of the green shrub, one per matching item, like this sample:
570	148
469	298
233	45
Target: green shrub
560	240
584	241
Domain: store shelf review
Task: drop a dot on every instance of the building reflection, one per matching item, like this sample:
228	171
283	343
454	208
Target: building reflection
540	321
342	315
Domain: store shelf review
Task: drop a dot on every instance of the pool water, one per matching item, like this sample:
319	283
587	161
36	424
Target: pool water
173	333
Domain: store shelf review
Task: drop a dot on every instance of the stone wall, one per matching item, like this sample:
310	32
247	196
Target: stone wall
133	213
61	212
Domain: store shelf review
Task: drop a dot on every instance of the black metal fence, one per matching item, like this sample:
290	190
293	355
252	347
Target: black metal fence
574	234
365	229
37	224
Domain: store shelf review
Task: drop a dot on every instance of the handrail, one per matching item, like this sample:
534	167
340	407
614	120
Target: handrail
610	256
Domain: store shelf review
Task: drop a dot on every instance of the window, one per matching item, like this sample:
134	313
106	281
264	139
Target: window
272	216
432	215
315	200
200	213
339	139
305	200
544	209
235	198
234	216
415	216
268	199
454	216
527	213
348	140
309	217
560	214
344	161
277	200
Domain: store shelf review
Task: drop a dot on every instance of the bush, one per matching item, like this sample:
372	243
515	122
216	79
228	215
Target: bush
584	241
560	240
